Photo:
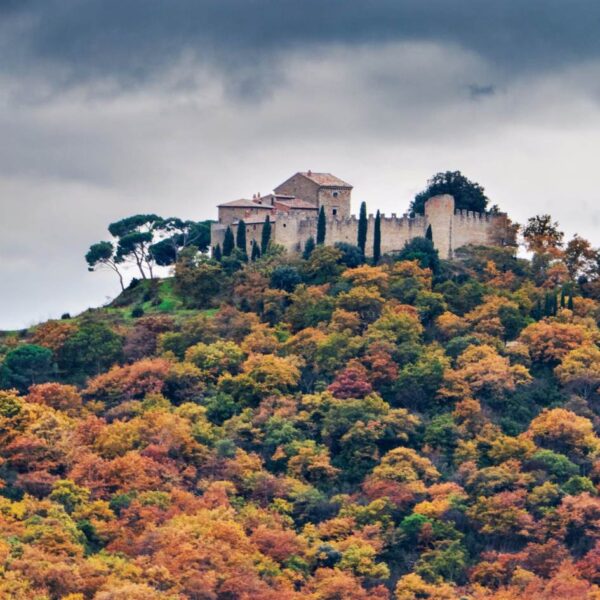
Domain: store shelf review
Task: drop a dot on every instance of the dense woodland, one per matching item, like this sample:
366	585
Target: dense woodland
318	427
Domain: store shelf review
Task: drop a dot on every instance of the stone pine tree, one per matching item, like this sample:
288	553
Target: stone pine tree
265	236
255	250
377	239
104	254
362	227
308	247
240	237
429	233
217	254
228	242
321	227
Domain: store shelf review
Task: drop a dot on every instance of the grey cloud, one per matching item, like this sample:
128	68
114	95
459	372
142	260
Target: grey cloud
133	40
480	91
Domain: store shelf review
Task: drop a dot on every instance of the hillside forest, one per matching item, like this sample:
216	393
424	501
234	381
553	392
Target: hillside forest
314	427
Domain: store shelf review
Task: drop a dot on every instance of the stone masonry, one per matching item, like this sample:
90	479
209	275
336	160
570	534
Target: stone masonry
294	206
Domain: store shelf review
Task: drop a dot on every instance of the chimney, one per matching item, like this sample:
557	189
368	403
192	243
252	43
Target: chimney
309	172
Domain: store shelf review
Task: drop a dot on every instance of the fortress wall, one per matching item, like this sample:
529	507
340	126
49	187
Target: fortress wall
479	229
293	232
253	232
342	230
395	232
217	234
306	228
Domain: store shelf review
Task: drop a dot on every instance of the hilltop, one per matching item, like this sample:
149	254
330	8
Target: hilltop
322	427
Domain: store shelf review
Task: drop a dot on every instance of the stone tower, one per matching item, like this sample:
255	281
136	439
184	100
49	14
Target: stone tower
439	215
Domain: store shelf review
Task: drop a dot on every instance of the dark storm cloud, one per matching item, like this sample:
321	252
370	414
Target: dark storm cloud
133	40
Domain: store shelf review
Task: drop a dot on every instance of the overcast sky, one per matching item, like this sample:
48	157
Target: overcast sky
113	107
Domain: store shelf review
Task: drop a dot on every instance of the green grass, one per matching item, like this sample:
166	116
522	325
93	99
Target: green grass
161	300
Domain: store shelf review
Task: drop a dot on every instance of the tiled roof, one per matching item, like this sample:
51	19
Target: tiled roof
243	203
256	220
326	179
297	203
277	197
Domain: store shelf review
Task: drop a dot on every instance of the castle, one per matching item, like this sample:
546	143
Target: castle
294	206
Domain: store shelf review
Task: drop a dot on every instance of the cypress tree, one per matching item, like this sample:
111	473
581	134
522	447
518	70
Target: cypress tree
217	254
321	227
563	298
228	242
551	304
240	236
266	235
255	250
570	302
362	227
308	247
548	305
537	311
377	239
429	233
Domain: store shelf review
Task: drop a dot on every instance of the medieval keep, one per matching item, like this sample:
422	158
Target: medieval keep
294	205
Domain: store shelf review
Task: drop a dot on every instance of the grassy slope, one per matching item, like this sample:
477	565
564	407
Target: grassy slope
153	297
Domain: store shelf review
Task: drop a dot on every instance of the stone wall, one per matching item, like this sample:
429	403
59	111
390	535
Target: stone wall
331	198
292	232
229	214
217	234
336	202
253	232
300	187
479	229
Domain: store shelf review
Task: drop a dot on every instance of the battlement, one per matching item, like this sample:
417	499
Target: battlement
473	216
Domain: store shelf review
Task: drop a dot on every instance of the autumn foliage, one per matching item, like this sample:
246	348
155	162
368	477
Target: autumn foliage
386	432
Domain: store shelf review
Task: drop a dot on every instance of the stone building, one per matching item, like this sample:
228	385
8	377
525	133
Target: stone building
293	209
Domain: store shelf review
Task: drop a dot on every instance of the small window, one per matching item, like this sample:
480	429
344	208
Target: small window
335	194
284	224
334	212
